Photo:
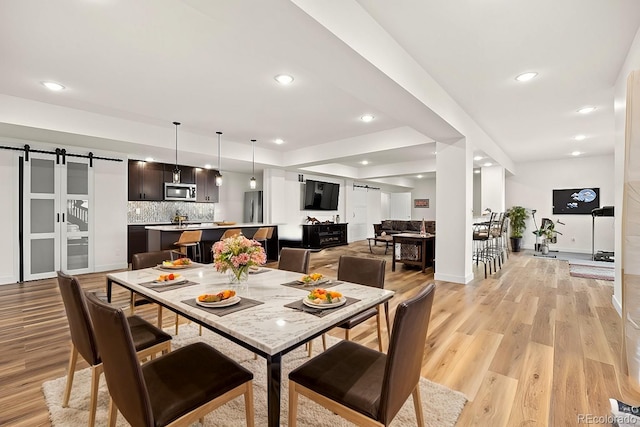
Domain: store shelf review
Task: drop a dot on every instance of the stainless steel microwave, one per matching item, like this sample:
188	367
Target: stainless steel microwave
180	192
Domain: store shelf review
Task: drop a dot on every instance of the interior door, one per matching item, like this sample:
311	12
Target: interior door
358	222
42	217
58	221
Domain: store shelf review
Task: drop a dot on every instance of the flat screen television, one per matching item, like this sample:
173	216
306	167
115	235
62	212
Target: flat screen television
320	196
576	201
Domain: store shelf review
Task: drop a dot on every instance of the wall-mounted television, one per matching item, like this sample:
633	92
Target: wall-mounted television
320	196
577	201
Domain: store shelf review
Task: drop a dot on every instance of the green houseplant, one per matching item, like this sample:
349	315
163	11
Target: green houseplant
517	216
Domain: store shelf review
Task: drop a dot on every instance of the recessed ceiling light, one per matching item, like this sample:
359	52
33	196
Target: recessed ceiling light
488	164
478	158
586	110
435	152
279	141
198	169
207	166
53	86
576	153
579	137
476	171
365	162
284	79
148	159
419	176
525	77
367	118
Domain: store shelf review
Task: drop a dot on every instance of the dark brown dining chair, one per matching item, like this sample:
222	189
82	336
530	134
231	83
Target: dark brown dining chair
147	339
365	386
174	389
146	260
368	272
294	259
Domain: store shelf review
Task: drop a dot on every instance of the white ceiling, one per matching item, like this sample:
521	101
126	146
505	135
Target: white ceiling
132	68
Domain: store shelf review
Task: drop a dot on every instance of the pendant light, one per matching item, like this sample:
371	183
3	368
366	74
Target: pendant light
176	170
252	181
219	176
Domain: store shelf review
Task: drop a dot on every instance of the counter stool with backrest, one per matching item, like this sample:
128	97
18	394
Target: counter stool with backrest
231	232
147	340
365	386
190	239
262	235
175	389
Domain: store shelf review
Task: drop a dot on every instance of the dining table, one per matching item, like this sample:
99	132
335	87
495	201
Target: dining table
270	319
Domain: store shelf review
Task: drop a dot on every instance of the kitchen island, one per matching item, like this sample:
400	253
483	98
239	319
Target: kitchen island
161	237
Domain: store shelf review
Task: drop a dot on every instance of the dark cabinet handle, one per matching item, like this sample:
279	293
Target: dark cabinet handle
63	217
140	195
57	217
144	195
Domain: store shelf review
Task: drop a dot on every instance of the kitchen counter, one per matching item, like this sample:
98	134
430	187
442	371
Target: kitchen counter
161	237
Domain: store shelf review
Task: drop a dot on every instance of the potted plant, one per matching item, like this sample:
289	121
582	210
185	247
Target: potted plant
517	216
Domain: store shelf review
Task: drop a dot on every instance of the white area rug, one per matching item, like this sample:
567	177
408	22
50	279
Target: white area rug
601	272
442	406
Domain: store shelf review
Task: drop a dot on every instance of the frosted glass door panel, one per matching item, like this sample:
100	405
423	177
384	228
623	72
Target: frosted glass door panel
77	178
43	252
77	253
43	216
42	176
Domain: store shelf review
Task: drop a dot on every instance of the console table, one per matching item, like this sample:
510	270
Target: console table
414	249
318	236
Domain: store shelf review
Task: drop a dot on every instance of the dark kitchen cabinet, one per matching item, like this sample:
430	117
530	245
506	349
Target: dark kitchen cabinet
187	174
146	181
136	240
207	190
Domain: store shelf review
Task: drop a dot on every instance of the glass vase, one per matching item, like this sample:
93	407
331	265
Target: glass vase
238	276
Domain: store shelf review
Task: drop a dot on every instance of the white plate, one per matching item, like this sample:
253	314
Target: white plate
174	267
308	302
175	281
314	283
224	303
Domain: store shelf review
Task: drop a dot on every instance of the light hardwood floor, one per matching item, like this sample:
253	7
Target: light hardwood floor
530	345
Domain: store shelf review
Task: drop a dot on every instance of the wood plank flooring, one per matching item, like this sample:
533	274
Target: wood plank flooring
529	345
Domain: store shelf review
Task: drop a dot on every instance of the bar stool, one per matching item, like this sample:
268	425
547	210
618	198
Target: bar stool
190	239
231	232
262	235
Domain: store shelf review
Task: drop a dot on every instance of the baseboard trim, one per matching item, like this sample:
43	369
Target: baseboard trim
108	267
453	279
8	280
616	305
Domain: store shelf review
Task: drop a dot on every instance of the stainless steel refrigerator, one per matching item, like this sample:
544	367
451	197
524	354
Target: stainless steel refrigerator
252	206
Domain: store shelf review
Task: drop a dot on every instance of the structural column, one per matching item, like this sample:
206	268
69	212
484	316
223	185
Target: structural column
454	198
492	188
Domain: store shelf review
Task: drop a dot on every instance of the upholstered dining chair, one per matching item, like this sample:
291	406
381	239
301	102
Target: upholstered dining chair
174	389
190	239
145	260
365	386
368	272
294	259
147	339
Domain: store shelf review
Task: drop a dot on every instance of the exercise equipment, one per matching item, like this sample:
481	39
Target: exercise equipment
601	255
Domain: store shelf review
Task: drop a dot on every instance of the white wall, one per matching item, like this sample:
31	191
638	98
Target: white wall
477	194
400	206
110	200
385	205
532	188
9	261
424	189
231	196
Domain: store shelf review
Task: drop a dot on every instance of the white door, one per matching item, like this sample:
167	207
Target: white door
358	222
57	221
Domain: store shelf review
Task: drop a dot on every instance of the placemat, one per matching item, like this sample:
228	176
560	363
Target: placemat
299	305
223	311
164	288
297	285
177	270
262	270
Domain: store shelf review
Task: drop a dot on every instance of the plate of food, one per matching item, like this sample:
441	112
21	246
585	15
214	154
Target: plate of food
169	279
177	264
323	298
313	279
221	299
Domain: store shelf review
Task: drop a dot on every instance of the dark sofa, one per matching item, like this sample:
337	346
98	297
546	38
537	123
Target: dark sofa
393	226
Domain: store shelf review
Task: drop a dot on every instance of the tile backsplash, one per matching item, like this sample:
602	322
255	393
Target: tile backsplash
150	212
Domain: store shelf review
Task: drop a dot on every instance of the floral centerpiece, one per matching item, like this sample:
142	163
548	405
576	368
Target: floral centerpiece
237	254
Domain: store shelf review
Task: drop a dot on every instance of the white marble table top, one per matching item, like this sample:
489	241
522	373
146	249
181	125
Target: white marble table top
269	327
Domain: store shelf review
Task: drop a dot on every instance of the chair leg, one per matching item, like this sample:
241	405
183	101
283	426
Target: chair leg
73	358
324	342
113	413
176	324
200	330
378	322
248	404
293	404
159	316
132	304
346	334
310	347
386	315
417	403
95	382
